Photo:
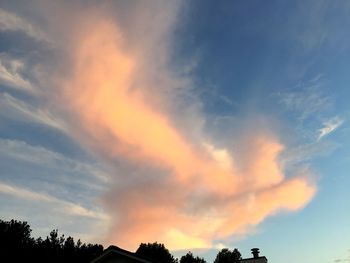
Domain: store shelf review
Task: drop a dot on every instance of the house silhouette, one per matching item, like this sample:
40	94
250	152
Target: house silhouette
256	258
114	254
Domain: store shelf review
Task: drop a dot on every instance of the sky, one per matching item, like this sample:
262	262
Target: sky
197	124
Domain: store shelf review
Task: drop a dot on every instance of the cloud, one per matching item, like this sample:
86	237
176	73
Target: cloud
51	190
308	100
10	74
12	22
312	105
122	99
18	109
22	193
21	151
330	126
66	207
306	152
34	205
200	192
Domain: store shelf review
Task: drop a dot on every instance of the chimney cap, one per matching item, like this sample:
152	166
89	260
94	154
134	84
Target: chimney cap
255	252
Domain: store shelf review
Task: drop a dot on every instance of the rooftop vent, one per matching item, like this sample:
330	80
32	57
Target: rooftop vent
255	252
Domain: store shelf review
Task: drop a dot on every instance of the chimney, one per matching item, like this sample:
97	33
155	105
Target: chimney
255	252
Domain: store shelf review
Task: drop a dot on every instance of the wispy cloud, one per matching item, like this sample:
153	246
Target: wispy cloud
12	22
330	126
306	152
22	193
10	74
19	109
307	100
37	207
21	151
311	106
38	183
64	206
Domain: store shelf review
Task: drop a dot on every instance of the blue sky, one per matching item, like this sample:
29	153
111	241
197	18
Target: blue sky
199	124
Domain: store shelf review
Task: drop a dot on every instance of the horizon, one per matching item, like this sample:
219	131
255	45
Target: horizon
198	125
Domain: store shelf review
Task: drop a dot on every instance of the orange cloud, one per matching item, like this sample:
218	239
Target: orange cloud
202	193
103	95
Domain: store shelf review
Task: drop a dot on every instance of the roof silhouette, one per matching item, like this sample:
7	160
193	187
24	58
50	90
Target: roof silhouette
114	250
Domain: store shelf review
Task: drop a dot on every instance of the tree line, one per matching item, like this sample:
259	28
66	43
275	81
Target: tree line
158	253
17	245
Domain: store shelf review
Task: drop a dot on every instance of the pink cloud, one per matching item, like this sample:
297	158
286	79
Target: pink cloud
201	193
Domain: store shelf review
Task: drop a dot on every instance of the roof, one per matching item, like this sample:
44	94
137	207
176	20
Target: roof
114	249
254	260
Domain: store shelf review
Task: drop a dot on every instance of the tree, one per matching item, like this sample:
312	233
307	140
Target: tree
155	252
15	240
17	245
15	233
228	256
189	258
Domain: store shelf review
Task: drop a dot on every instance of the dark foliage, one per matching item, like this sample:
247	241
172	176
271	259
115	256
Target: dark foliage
228	256
189	258
155	252
17	245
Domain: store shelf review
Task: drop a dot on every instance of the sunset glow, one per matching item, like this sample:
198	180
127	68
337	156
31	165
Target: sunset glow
200	125
114	115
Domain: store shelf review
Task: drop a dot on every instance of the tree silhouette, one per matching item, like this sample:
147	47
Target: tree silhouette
15	239
189	258
228	256
155	252
17	245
